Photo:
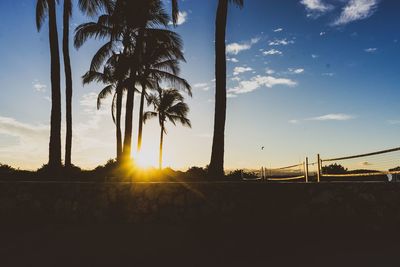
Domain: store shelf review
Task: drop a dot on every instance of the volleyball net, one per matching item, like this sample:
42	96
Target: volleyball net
289	173
381	165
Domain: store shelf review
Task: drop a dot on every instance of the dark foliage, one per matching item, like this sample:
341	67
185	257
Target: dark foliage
334	169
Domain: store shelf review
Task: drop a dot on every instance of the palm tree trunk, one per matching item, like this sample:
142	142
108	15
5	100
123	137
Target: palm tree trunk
68	82
55	120
160	159
131	97
118	123
128	124
140	133
216	167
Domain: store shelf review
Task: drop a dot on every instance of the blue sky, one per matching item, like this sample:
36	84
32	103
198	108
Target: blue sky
304	77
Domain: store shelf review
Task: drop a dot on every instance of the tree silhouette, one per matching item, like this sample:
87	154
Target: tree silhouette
150	54
160	61
168	105
48	8
68	81
334	169
90	7
109	27
216	167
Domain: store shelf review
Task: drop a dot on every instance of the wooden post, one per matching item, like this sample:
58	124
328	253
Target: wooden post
263	174
306	169
319	168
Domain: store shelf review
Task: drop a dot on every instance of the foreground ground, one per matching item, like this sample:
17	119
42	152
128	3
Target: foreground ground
201	224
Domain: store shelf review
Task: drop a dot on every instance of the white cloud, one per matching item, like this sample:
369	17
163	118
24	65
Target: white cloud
314	56
272	52
182	18
278	30
371	49
199	85
236	79
13	127
236	48
269	71
239	70
234	60
356	10
228	95
277	42
294	121
322	33
32	139
333	117
258	81
316	6
31	146
39	87
296	71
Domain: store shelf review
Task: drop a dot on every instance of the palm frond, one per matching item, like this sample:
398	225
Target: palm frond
174	81
90	30
95	76
114	107
149	115
108	90
239	3
42	8
101	55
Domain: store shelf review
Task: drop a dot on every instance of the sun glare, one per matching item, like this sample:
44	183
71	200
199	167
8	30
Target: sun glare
145	160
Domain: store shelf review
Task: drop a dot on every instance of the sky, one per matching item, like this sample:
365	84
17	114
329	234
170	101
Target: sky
304	77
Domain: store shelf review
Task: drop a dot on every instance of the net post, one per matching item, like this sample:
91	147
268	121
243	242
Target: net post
306	169
319	168
264	175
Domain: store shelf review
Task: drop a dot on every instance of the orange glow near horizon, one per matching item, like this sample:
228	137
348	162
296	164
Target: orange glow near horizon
145	160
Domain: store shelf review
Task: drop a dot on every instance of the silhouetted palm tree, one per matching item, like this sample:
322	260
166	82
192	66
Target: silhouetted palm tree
110	27
68	81
109	78
148	14
126	24
216	167
90	7
160	61
48	8
168	105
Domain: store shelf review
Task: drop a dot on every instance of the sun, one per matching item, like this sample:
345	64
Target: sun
145	160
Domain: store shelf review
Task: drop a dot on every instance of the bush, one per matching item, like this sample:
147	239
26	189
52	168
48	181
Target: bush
334	169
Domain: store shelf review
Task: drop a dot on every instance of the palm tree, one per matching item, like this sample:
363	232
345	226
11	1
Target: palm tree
216	167
149	14
162	54
43	8
90	7
168	105
108	26
68	81
124	24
